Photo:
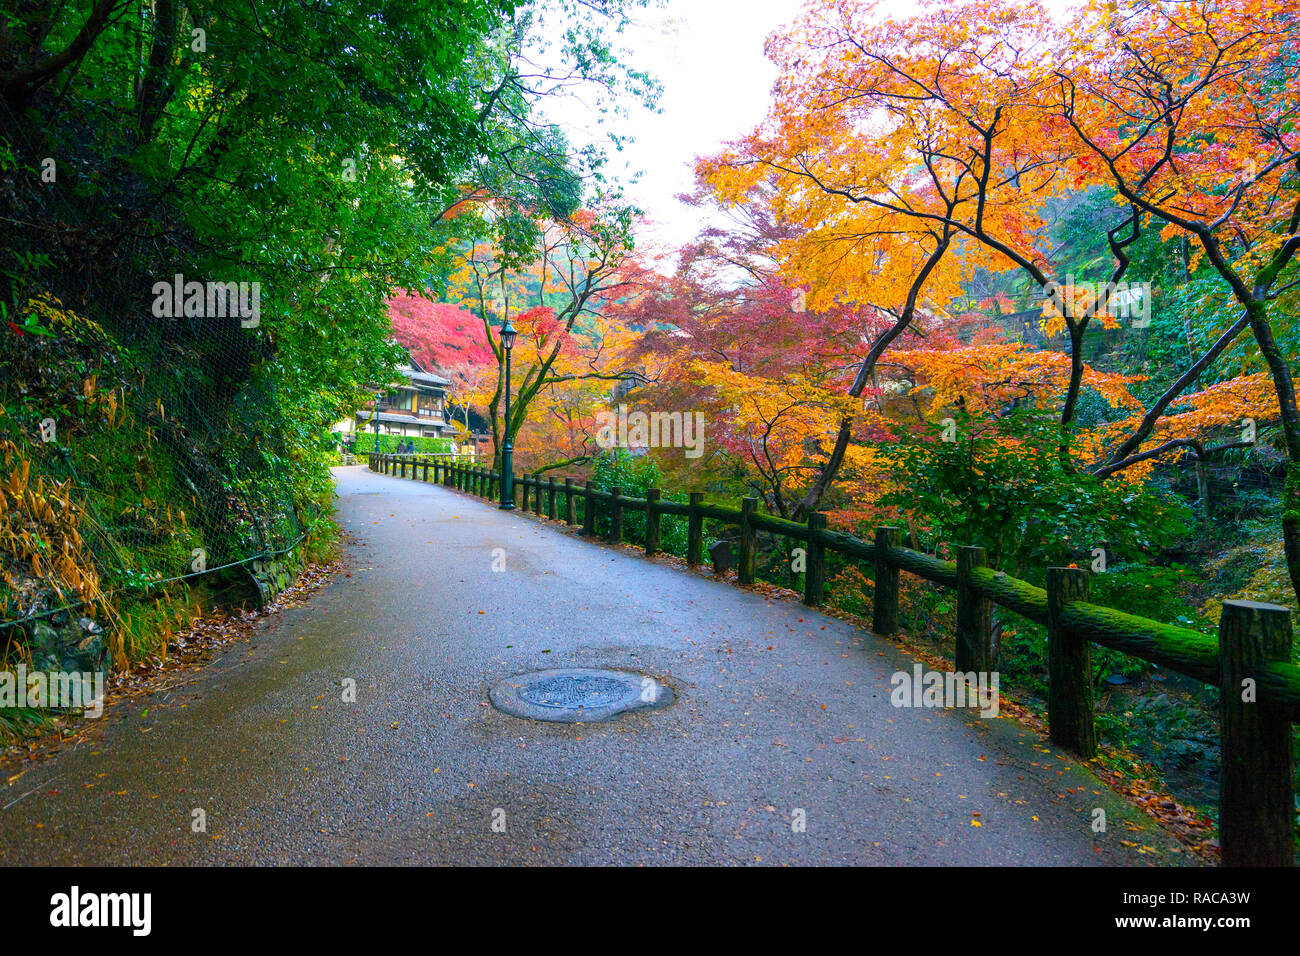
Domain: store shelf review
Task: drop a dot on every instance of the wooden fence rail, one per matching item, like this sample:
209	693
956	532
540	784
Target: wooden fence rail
1250	662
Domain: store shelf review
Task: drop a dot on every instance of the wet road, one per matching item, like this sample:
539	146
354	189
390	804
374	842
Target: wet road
781	715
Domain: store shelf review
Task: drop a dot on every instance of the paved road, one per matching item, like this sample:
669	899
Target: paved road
778	709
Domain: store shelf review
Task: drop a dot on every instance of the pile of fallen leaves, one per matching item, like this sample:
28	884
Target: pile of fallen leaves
1143	788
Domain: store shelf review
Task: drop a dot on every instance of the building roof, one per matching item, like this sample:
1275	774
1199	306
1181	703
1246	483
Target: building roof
404	418
426	378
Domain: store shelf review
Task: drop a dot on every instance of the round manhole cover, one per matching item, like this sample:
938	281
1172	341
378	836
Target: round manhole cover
578	694
574	691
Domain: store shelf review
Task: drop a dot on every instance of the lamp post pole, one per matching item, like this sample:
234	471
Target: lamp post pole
507	448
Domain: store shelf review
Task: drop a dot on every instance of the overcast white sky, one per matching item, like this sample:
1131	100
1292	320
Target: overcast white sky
708	54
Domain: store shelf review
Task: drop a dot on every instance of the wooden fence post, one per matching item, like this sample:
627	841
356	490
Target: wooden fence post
570	511
884	606
1256	800
520	492
550	498
1069	667
695	531
974	617
588	510
814	575
745	570
652	518
426	471
616	515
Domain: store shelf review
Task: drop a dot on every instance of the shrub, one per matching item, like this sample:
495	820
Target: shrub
388	444
633	476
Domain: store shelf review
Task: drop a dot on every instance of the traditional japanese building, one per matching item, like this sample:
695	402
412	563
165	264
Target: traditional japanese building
413	407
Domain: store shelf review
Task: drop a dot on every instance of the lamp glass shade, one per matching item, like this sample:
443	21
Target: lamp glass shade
508	334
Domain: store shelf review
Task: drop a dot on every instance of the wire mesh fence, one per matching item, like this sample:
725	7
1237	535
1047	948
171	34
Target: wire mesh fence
136	459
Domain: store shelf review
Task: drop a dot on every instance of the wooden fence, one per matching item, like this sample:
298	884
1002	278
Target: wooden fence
1250	662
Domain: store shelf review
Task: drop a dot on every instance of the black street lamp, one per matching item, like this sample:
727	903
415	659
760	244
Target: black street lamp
508	334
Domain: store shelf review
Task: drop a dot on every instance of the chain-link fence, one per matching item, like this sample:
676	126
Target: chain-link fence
136	459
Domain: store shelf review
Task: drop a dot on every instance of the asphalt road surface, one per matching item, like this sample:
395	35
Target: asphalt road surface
782	716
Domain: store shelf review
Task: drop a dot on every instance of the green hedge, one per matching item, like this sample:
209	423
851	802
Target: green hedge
388	444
